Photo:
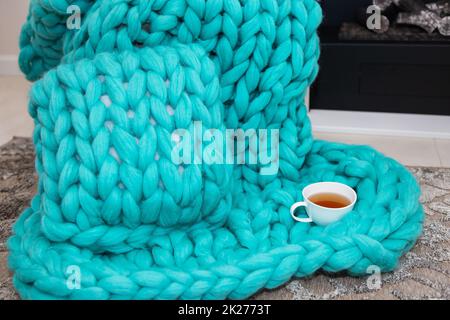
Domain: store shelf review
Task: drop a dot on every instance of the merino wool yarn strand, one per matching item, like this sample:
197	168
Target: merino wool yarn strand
112	207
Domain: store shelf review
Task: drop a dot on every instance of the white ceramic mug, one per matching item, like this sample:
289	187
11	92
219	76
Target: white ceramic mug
324	215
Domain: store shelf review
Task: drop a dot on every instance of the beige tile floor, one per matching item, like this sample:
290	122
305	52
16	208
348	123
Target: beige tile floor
408	150
15	121
14	118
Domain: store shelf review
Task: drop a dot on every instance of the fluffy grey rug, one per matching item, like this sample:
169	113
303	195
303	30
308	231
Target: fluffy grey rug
424	273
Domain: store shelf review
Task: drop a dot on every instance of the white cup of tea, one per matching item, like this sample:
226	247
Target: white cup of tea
325	202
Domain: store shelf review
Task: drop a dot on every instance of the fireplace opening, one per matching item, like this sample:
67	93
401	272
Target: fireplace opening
384	56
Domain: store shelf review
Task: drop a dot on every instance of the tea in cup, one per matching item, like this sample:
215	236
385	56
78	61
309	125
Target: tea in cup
325	202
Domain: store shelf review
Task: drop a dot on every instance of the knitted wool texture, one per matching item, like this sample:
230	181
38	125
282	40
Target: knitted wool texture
111	203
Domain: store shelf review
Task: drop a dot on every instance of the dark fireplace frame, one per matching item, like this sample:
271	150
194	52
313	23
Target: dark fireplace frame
381	76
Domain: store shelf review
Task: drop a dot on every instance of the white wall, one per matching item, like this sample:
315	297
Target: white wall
12	15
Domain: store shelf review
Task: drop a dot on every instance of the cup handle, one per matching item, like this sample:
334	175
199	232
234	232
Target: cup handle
295	206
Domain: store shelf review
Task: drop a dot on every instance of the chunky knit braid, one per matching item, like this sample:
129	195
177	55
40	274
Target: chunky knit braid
110	201
107	170
41	40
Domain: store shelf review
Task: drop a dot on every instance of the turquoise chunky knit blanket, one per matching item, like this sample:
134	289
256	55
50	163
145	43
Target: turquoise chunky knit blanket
116	218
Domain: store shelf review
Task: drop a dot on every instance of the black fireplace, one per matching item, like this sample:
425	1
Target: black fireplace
404	69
